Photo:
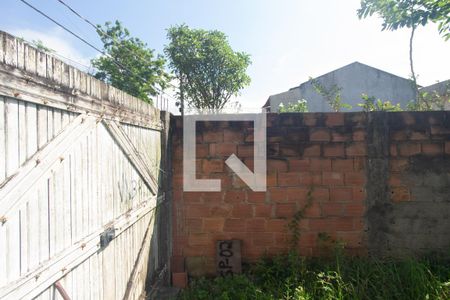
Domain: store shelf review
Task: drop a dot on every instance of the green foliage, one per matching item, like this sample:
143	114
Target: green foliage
300	106
298	216
293	277
373	104
409	13
130	65
431	100
40	46
332	95
208	70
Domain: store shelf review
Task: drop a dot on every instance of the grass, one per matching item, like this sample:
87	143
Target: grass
294	277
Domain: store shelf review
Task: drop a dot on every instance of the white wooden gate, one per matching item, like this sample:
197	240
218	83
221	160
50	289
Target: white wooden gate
79	169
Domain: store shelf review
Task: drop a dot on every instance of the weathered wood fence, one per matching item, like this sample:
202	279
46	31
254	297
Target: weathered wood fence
79	181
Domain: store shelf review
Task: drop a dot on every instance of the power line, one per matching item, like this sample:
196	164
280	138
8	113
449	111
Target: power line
85	41
97	28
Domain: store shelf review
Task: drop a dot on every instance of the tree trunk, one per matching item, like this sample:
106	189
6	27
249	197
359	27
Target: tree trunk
411	62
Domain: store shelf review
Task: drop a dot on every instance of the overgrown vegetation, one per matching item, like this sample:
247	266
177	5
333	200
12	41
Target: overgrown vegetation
292	277
331	94
371	103
300	106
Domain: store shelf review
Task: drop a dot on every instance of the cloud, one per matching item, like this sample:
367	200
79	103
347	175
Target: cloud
57	40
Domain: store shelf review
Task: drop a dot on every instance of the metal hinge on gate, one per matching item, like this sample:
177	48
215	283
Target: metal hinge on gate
107	236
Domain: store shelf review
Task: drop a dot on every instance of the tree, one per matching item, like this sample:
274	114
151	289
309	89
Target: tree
370	103
208	70
129	64
411	14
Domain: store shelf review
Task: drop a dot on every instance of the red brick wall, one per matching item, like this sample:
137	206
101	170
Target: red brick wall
325	154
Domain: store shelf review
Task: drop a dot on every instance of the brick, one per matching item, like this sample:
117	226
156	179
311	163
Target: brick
341	194
310	119
277	195
356	149
311	151
222	149
197	211
194	225
213	197
319	164
400	194
256	197
355	178
235	196
307	239
256	225
285	210
277	225
296	194
359	194
395	179
355	209
393	150
221	210
409	149
198	239
351	239
314	210
399	135
277	165
334	119
333	150
288	179
432	148
202	150
235	225
233	136
418	136
343	224
177	263
332	209
262	239
447	147
332	178
359	163
179	280
242	211
245	150
272	179
359	135
289	150
340	137
319	135
407	118
324	224
213	136
213	224
193	197
212	165
299	165
398	164
263	210
310	178
320	194
342	165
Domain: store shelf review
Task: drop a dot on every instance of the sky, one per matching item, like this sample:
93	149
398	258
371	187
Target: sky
288	40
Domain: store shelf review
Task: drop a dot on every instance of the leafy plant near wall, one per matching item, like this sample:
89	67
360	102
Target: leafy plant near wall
431	100
300	106
331	94
370	103
298	216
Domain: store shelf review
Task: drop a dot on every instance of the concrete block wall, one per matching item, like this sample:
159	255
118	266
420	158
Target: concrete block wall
378	183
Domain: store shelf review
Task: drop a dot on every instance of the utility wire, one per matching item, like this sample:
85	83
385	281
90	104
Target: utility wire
97	28
85	41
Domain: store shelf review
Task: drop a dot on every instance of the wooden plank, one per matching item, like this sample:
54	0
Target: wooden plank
33	283
2	140
22	132
46	159
13	248
31	129
12	137
42	130
132	154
